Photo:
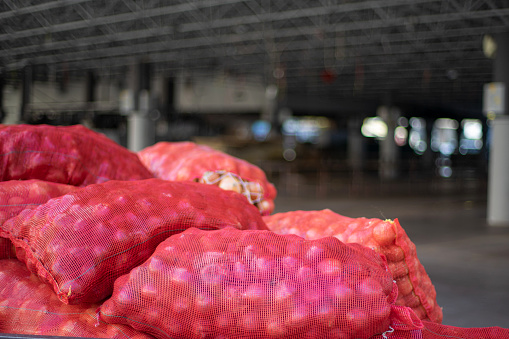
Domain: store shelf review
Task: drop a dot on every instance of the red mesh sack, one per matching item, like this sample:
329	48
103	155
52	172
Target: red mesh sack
17	195
438	331
29	306
81	242
432	330
71	155
6	249
384	236
257	284
187	161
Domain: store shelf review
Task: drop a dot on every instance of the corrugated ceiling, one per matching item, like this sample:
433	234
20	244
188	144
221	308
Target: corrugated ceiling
416	50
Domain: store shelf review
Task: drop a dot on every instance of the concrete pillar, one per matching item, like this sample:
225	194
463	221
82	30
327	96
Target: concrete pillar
501	65
269	111
171	95
355	145
140	127
90	86
26	95
389	151
498	173
2	84
498	167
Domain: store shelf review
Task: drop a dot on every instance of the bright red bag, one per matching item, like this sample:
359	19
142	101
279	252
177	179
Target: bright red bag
29	307
439	331
18	195
7	250
257	284
81	242
187	161
432	330
72	155
384	236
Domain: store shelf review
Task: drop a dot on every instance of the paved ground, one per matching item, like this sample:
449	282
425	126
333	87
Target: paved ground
467	260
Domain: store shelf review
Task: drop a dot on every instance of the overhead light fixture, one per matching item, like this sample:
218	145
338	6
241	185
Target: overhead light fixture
489	46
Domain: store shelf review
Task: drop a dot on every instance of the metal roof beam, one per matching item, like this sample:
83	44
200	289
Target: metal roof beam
156	55
181	8
300	13
117	18
37	8
257	35
224	39
504	19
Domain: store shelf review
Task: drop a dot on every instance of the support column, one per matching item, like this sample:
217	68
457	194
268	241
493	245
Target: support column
26	95
2	84
356	145
389	152
90	86
498	171
271	103
140	128
498	174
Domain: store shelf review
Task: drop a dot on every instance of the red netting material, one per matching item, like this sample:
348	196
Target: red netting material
6	249
29	306
187	161
439	331
253	191
81	242
384	236
257	284
432	330
71	155
18	195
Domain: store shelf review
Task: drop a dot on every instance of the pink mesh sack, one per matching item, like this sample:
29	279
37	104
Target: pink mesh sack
72	155
432	330
384	236
81	242
29	307
257	284
439	331
187	161
6	249
18	195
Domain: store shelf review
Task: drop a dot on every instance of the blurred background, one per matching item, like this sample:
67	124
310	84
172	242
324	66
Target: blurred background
384	109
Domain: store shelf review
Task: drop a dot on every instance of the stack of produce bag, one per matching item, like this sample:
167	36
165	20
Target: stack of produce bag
257	284
386	237
81	242
19	195
29	306
187	161
72	155
95	242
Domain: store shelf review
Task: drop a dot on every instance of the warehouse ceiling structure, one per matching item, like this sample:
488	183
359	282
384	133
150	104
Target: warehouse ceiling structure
423	51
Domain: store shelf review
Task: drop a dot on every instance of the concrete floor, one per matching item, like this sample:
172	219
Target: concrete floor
467	260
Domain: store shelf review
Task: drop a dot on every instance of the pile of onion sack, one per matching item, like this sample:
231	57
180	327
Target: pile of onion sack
187	161
179	241
386	237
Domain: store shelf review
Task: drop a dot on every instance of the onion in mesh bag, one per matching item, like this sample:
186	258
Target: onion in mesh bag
29	307
187	161
18	195
81	242
73	155
384	236
255	284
